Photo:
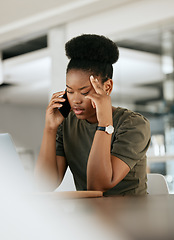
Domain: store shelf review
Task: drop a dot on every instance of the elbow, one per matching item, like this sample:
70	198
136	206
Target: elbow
94	186
101	184
44	184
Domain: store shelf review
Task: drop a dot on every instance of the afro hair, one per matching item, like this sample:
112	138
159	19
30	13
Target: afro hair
92	47
92	53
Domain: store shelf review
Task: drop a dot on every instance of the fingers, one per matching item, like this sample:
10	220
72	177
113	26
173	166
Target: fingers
96	85
57	94
99	96
57	99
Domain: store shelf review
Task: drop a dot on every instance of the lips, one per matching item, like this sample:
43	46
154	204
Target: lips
78	111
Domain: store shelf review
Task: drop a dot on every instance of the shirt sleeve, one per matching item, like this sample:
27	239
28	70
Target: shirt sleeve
59	141
132	139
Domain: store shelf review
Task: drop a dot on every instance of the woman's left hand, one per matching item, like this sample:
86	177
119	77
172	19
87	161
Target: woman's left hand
102	102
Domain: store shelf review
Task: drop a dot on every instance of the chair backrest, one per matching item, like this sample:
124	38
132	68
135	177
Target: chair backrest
156	184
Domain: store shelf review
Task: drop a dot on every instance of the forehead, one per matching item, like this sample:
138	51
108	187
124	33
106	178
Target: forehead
77	78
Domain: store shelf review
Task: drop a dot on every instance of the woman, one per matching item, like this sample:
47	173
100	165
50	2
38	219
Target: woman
105	147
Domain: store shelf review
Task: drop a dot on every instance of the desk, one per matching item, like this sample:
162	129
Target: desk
47	216
124	218
140	218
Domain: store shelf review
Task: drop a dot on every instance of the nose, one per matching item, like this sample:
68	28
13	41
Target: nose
77	99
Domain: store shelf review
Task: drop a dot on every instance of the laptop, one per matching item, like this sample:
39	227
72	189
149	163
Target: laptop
12	173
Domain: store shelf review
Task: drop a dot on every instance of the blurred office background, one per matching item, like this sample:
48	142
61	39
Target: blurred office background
33	63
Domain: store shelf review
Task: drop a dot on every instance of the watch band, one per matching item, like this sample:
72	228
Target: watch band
109	129
101	128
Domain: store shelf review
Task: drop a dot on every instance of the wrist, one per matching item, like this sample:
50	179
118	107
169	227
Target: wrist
109	129
50	130
105	120
105	123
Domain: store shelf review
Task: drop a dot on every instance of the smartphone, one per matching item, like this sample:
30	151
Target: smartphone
65	109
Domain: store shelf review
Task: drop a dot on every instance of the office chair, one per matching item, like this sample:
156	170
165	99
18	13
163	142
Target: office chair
156	184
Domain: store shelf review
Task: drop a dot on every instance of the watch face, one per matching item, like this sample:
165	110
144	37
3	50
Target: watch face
110	129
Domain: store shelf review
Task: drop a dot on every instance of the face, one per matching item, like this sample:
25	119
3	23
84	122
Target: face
78	86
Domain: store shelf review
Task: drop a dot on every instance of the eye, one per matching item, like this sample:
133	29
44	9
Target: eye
86	93
69	92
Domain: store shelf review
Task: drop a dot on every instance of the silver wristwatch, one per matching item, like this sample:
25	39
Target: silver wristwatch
109	129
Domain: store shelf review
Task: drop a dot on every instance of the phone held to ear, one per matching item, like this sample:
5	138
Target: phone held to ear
65	109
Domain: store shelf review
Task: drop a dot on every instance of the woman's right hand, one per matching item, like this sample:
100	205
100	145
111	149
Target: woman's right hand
53	116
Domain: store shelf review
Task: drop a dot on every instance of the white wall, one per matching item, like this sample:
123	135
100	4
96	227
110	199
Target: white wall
24	123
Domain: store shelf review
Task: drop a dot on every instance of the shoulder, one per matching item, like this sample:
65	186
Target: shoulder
128	119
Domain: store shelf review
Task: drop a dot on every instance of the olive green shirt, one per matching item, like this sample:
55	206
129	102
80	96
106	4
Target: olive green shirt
129	143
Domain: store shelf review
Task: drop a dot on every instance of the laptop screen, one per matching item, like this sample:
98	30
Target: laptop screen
12	172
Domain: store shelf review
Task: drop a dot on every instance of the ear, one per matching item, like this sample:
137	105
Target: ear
108	86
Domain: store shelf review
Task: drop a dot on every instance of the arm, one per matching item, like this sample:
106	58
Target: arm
103	170
50	169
